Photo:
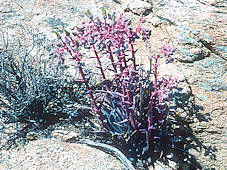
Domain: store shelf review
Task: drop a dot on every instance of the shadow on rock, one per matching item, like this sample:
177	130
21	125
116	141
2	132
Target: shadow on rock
185	112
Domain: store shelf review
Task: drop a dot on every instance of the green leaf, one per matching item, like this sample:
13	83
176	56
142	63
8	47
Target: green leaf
89	15
104	11
58	35
67	33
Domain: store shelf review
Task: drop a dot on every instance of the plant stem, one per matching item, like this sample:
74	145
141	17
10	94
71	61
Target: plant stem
100	67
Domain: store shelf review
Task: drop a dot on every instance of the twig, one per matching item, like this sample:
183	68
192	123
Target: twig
203	3
110	149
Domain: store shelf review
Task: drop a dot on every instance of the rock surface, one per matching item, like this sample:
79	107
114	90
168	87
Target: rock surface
197	29
138	7
54	154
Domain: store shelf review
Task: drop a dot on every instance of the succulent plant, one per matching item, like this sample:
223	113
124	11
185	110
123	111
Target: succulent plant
130	103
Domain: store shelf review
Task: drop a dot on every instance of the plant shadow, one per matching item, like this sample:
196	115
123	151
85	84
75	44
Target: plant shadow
185	142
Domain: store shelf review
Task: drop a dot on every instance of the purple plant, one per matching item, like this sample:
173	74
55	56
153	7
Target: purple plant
129	104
